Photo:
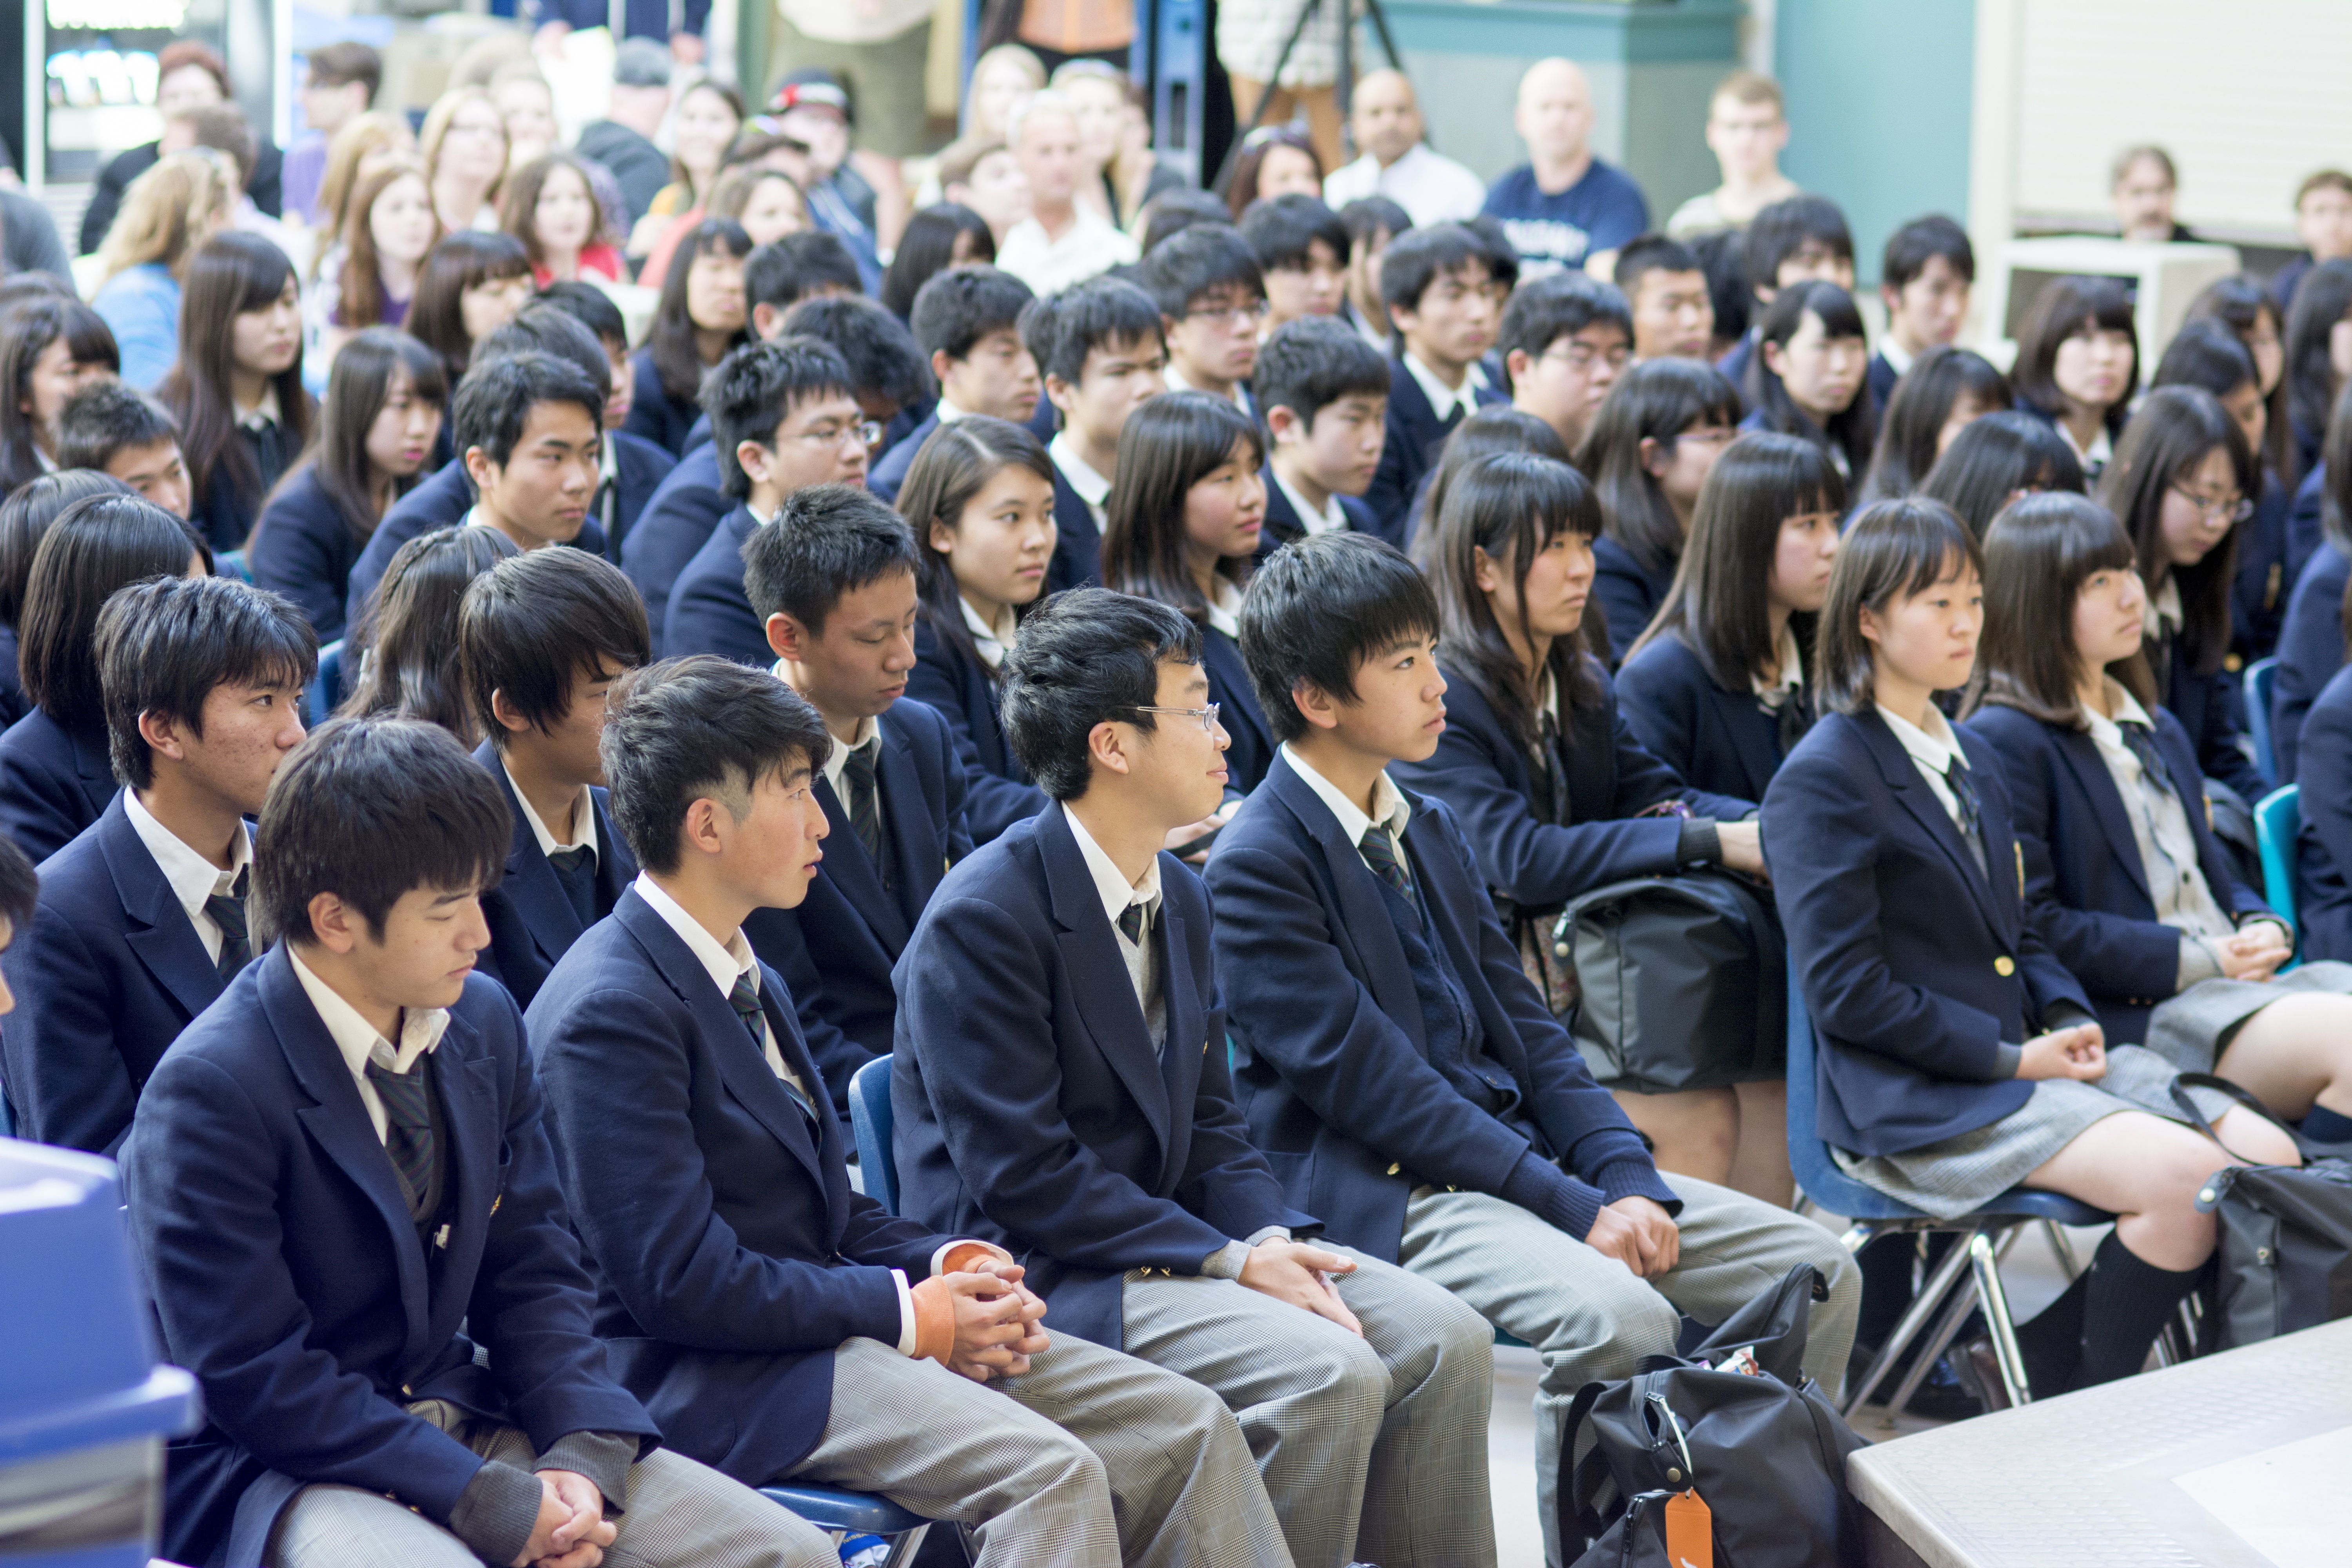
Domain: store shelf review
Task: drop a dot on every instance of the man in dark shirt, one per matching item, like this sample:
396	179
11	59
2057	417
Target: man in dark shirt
623	139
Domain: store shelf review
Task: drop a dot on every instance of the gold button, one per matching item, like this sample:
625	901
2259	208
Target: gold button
2004	966
1394	1169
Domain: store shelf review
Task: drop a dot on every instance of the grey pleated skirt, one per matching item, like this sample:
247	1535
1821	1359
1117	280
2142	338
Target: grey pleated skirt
2189	1030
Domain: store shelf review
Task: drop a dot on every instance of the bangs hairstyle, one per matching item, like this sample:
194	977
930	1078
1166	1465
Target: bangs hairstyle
466	259
1558	305
1992	459
2323	298
1241	190
1721	603
1650	253
1109	313
2037	555
370	810
1852	430
754	390
519	212
884	358
958	307
825	540
2174	430
27	328
783	273
536	624
1319	609
1915	416
1282	230
165	644
955	463
1922	240
1204	259
678	356
929	248
25	520
372	368
360	299
407	637
2206	353
1657	400
1174	211
1087	656
1168	445
231	273
1373	221
1309	364
2066	308
1784	230
1497	427
495	401
1891	547
2240	303
1414	260
96	545
1509	506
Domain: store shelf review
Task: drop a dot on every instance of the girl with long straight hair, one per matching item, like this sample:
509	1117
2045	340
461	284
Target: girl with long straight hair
49	348
237	391
2078	365
1811	374
473	284
406	644
937	237
369	278
2319	354
1497	427
2206	353
2245	306
551	205
25	518
1995	459
702	318
1945	391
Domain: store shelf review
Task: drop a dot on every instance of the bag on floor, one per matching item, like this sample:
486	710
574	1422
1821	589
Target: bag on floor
1739	1421
2284	1253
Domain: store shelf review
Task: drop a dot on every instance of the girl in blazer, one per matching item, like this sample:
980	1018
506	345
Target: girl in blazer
2122	876
1553	792
1811	374
702	318
237	392
1958	1058
2078	365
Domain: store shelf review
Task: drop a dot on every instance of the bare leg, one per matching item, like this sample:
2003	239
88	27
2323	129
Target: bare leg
1322	107
2146	1171
1695	1130
2295	1053
1759	1162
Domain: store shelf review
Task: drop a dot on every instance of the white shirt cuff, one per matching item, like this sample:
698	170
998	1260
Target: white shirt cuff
939	1258
905	1313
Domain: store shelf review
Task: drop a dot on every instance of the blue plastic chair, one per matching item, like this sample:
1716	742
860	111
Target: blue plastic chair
2261	675
869	1123
855	1513
326	686
1985	1234
2278	818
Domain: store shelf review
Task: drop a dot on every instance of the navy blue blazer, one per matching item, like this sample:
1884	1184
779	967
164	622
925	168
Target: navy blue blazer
1077	542
2211	711
1726	742
304	548
1251	750
2310	651
2323	845
2086	884
1284	526
2258	596
1504	804
654	415
889	470
1415	434
1917	967
53	783
110	973
684	513
223	515
1881	376
997	792
290	1280
1735	360
1031	1107
1333	1068
1629	597
532	922
729	1256
14	704
709	610
2307	527
835	951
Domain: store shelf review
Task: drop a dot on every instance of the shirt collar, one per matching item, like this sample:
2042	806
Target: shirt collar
420	1027
869	738
1896	356
608	460
1225	609
583	819
1110	884
2163	614
1443	399
2109	731
193	878
1792	669
992	643
725	965
948	412
1935	747
1092	487
1332	519
2102	446
1388	805
265	411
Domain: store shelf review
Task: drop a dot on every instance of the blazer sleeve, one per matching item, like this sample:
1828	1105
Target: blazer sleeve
1661	706
290	554
41	808
1643	781
67	1082
991	803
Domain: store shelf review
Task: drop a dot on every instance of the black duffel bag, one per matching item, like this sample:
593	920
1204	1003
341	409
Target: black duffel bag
2285	1252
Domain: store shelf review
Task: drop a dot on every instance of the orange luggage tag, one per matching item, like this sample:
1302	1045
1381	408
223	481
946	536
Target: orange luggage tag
1690	1523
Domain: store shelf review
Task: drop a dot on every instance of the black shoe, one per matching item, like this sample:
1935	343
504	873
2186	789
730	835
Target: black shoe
1979	1373
1943	1395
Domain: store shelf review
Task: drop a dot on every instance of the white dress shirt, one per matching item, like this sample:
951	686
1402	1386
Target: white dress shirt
1176	382
1331	520
2092	458
583	825
2166	840
869	738
1391	809
1896	356
420	1034
1430	186
1092	487
1933	750
193	878
1117	894
1087	248
992	643
1443	399
1225	607
1792	679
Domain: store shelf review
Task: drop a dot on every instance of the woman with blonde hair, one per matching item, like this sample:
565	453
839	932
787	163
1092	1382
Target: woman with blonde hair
527	106
365	144
171	210
464	145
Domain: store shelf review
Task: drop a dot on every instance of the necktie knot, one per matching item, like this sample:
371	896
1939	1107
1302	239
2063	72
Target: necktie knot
744	997
228	912
571	859
407	1099
864	802
1130	923
1964	797
2140	741
1379	853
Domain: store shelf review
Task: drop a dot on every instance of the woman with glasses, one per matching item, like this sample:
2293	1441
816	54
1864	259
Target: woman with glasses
465	143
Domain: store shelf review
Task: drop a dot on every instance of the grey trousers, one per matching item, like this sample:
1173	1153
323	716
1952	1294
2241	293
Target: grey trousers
1371	1447
678	1514
1088	1458
1591	1319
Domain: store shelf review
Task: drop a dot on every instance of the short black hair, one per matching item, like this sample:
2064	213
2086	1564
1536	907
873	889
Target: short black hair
103	418
1555	306
1283	230
1062	329
828	540
26	516
495	400
1920	241
1785	228
370	810
962	305
785	271
1413	261
1086	656
165	644
552	330
1651	253
688	728
752	391
883	357
95	546
1311	362
591	307
534	624
1204	257
1368	217
1176	209
1318	609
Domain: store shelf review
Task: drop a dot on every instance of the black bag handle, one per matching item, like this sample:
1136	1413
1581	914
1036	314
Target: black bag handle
1584	1481
2183	1082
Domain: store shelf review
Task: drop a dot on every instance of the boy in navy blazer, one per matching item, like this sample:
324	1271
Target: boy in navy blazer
1393	1060
1212	299
1103	351
1060	1086
1326	395
347	1209
966	320
1443	287
759	1305
1565	340
141	921
540	646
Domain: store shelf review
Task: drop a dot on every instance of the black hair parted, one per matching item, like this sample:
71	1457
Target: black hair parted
1309	364
1368	217
752	392
1558	305
1087	656
825	541
1914	417
1168	445
163	645
1497	427
1321	608
495	400
590	305
95	546
1922	240
675	337
1657	400
1786	228
1282	230
1203	259
1853	430
1061	329
106	416
1993	459
1174	211
699	728
1415	260
884	358
1891	548
783	272
553	330
536	624
964	304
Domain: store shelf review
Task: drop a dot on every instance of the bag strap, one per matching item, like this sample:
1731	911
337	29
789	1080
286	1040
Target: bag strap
1584	1480
2182	1083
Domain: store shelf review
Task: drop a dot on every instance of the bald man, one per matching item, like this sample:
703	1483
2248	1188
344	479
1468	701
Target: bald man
1564	207
1385	120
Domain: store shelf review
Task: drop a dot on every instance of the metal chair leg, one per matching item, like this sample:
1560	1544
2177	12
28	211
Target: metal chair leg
2063	1248
1923	1307
1996	1311
1956	1311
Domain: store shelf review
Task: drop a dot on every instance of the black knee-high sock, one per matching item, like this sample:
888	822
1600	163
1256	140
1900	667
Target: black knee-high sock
1885	1262
2050	1341
2322	1125
2127	1304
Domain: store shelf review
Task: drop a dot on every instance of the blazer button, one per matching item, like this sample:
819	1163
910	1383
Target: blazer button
1394	1169
2004	966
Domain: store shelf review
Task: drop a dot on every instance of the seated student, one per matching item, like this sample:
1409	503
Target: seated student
2316	363
967	320
1808	376
981	500
1324	392
758	1305
406	648
1667	297
2208	353
1553	793
1054	969
1212	299
237	390
541	637
1649	452
1442	288
1497	427
2181	956
888	373
56	776
26	515
1371	223
113	428
1943	391
1565	340
1958	1058
2323	221
811	264
141	918
1798	239
53	349
783	418
700	319
2322	848
1302	256
1104	352
318	1207
2311	639
1925	276
632	467
1994	459
2078	365
1381	1018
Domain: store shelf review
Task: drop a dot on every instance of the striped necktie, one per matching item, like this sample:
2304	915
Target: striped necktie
864	802
228	912
744	997
408	1131
1379	853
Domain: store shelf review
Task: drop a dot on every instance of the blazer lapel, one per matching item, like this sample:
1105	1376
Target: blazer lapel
1759	758
1098	969
1903	775
2090	769
531	881
1179	1067
1366	925
466	1077
921	861
160	931
853	872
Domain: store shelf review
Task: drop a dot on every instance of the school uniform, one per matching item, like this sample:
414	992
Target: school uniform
53	781
1423	412
1735	363
2323	894
1884	372
963	691
1081	496
1727	743
126	946
223	513
304	547
1628	592
2306	528
654	415
1289	519
2206	704
2310	652
1251	750
760	1308
318	1211
888	474
14	703
834	950
2095	458
2258	595
679	518
1060	1086
552	891
709	610
1409	1083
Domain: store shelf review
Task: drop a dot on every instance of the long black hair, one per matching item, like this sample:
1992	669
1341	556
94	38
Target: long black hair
1168	446
1658	400
366	372
955	464
97	544
2241	303
928	249
1852	430
2323	298
1995	458
677	359
231	273
1921	407
2174	431
27	328
407	635
1497	427
2209	354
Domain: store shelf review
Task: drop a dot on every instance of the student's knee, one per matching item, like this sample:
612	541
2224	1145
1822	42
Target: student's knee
2256	1140
1346	1375
1061	1462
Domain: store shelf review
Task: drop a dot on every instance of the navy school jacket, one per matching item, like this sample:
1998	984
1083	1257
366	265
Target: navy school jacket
532	922
290	1280
685	509
1629	597
14	704
109	973
2323	845
888	474
1252	751
2086	884
654	415
1334	1070
304	548
1415	435
2310	650
219	513
835	951
1077	541
1881	376
1725	742
2210	713
2258	596
2307	525
53	781
1916	967
1285	526
731	1258
709	611
997	792
1031	1108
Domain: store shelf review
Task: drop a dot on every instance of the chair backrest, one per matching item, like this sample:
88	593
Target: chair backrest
869	1123
1810	1160
2261	675
326	686
2277	819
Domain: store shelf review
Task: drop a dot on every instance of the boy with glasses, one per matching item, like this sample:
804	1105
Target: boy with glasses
1565	340
1212	300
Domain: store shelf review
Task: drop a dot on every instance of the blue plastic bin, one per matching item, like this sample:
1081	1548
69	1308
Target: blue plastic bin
84	1408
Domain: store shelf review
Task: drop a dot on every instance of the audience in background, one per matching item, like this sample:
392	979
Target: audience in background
366	143
700	320
2208	355
1325	395
472	284
1565	339
1923	279
968	321
1802	240
168	212
1385	123
1995	459
2078	365
339	84
465	146
1103	348
709	117
1373	222
368	276
527	108
1274	161
1564	207
1212	306
244	414
2142	184
189	77
1302	257
986	176
1747	128
2319	354
2323	221
1062	240
50	348
1442	289
552	207
936	239
1811	374
623	142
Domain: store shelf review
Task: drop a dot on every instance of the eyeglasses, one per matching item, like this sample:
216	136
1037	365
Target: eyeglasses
1581	356
1709	434
1207	716
1248	315
2221	509
867	432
